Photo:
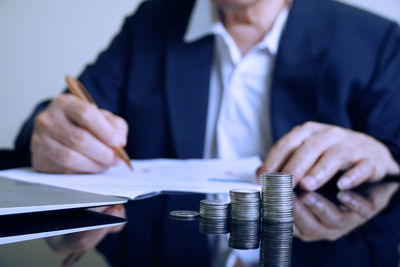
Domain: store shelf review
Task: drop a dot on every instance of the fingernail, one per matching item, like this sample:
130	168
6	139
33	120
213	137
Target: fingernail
116	140
310	200
344	197
310	182
344	183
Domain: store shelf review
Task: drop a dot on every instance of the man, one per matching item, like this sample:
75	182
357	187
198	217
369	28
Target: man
228	78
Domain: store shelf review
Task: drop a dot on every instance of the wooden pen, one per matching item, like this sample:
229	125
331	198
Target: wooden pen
78	90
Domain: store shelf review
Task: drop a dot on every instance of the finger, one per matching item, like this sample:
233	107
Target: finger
344	209
83	142
326	167
99	209
67	159
360	173
296	231
357	203
119	124
285	146
41	161
55	242
306	222
72	258
324	210
306	155
115	210
89	117
83	241
47	165
260	170
380	194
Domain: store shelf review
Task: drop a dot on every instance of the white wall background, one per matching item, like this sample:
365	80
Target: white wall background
42	40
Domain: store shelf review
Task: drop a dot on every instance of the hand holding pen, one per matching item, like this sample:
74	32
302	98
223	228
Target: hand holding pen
74	136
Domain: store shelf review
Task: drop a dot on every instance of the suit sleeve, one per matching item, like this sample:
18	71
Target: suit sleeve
105	79
377	108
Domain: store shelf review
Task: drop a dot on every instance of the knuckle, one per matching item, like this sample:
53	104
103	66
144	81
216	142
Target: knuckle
309	233
378	172
77	139
42	120
321	172
297	128
366	168
333	237
311	143
86	112
334	131
35	141
65	157
341	222
338	152
280	145
308	124
61	99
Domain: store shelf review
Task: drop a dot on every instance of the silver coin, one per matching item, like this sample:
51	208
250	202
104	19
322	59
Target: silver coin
184	214
244	191
214	202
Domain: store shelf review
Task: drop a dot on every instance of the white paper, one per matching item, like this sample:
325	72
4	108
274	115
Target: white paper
153	176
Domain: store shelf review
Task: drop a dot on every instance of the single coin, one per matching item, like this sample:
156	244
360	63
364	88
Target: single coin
184	214
244	191
214	202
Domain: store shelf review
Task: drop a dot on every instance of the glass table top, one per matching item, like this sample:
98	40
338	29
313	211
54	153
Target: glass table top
331	228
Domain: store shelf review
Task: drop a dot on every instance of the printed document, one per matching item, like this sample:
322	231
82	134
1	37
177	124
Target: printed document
153	176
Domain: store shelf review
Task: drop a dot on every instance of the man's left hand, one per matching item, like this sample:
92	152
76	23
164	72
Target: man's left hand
314	152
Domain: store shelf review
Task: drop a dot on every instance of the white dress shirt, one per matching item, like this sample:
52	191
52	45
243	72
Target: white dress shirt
238	119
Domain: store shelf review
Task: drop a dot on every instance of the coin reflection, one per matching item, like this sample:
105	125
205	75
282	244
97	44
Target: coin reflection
213	227
244	234
276	244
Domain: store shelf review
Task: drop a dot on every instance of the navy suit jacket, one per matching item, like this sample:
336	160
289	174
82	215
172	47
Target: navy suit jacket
335	64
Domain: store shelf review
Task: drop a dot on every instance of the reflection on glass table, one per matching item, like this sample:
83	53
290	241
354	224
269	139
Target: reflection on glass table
318	218
76	244
352	228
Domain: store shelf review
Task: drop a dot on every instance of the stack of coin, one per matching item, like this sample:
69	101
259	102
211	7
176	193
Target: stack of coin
214	209
277	197
245	204
276	244
244	234
213	227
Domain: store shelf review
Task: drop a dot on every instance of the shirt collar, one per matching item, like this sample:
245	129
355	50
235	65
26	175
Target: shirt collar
204	21
271	39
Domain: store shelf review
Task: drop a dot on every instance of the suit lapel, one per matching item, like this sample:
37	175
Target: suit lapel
293	88
297	66
187	72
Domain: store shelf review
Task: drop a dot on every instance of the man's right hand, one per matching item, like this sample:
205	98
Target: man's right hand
72	136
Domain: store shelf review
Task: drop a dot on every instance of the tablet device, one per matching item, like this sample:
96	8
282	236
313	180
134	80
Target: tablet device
21	197
28	226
